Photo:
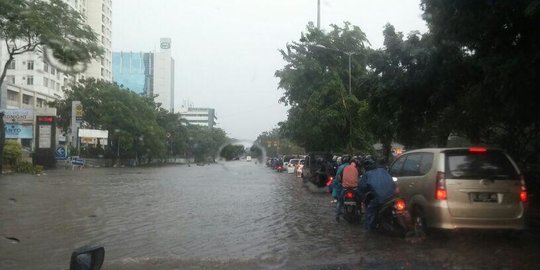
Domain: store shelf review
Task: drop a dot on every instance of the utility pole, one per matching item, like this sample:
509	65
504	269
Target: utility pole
319	14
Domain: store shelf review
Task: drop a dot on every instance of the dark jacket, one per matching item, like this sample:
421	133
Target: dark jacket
380	182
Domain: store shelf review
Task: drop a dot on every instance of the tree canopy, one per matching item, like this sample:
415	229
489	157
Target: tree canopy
473	74
138	127
323	114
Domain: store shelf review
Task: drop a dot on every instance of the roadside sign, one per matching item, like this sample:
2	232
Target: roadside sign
78	112
78	162
18	116
61	153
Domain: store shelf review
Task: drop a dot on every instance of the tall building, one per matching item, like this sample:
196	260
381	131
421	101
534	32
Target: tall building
164	75
98	14
199	116
135	71
151	73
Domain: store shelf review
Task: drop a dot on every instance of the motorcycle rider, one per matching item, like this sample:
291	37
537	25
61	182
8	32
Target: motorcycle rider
336	186
349	180
377	180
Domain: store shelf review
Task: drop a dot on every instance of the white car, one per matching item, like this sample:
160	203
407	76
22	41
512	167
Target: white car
291	166
248	158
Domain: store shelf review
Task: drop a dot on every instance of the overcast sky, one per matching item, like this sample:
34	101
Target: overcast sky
226	51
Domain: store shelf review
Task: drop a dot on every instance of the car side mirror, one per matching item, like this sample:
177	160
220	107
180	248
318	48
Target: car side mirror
87	258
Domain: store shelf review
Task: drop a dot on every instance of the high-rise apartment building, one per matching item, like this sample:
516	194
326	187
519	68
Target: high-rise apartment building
148	73
98	15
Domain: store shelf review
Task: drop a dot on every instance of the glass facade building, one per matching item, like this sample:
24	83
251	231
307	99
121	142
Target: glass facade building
135	71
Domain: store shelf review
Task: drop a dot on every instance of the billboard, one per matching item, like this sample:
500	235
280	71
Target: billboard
18	116
17	131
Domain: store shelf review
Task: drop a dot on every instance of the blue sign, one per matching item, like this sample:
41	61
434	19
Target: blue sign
17	131
78	162
61	153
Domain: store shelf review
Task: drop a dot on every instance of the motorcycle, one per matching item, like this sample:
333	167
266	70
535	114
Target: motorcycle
393	218
352	206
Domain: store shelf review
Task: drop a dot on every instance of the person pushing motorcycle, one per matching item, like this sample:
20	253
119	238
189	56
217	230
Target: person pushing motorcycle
377	180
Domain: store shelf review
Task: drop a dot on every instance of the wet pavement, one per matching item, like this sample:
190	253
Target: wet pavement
235	215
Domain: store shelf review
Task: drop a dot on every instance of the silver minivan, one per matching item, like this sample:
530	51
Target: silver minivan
452	188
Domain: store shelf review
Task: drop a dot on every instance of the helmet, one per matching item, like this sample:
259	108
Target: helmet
356	160
345	159
368	161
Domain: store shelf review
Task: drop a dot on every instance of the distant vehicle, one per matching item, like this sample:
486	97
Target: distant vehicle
317	168
291	166
452	188
248	158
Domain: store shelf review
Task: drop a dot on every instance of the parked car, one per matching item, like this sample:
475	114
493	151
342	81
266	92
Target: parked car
453	188
291	165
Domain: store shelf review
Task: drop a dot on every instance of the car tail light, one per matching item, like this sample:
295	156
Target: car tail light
477	150
399	204
349	195
440	192
523	192
330	179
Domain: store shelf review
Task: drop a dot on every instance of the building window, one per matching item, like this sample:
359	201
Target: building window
45	67
40	103
57	86
11	65
58	75
27	99
10	79
30	65
30	80
12	95
53	70
45	82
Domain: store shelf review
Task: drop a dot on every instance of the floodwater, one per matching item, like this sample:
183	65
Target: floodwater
233	215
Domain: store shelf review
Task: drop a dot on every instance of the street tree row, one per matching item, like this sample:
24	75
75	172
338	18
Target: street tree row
473	74
138	127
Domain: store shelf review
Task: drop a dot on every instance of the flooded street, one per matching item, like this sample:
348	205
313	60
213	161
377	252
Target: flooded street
235	215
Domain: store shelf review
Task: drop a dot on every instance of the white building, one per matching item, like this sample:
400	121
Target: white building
199	116
98	15
164	75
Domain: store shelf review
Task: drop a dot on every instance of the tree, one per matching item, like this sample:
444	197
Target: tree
230	151
498	42
275	144
29	25
204	142
131	119
323	116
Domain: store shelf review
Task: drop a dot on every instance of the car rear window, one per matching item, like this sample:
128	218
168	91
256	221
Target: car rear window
294	161
463	164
